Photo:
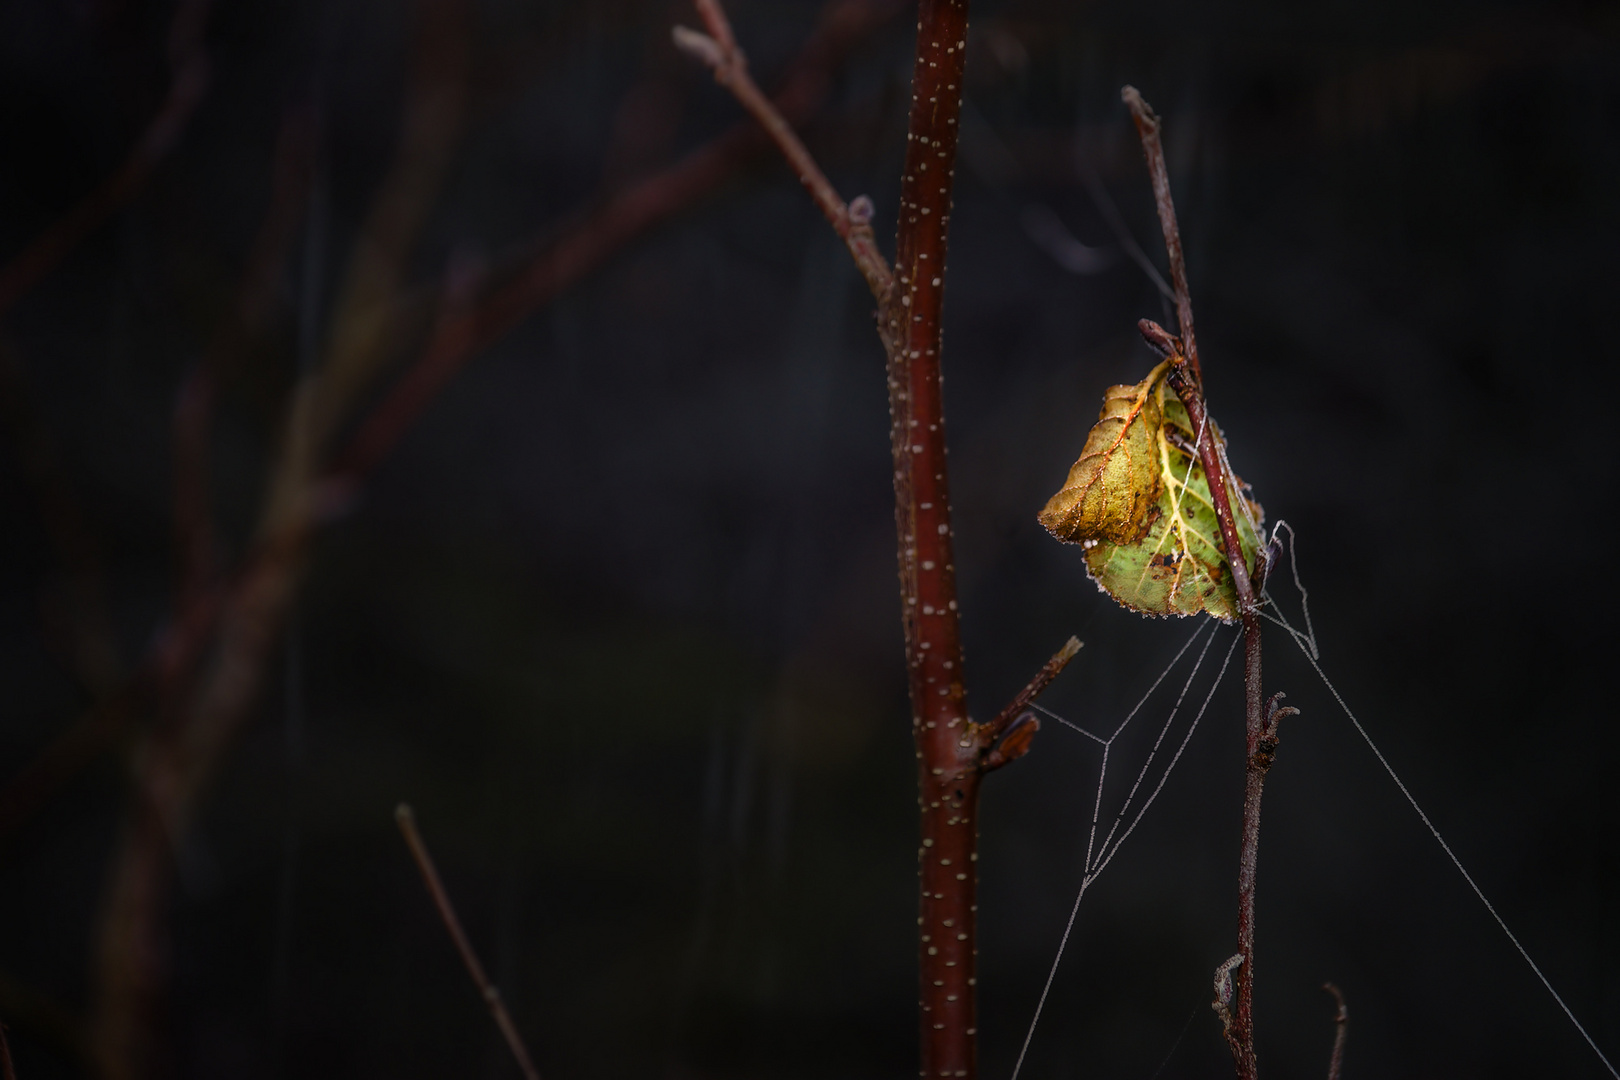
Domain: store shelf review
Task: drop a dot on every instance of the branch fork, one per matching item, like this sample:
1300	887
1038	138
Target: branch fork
953	753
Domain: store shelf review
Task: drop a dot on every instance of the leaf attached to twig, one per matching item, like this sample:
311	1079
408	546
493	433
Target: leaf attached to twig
1139	504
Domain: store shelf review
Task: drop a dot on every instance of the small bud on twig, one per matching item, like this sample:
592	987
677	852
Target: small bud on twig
1159	339
1223	990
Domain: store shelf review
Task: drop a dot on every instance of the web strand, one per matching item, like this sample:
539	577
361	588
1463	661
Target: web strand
1472	884
1148	762
1185	739
1306	641
1107	852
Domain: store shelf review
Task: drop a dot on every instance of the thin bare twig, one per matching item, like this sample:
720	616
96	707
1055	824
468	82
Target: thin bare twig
1261	718
447	912
7	1070
179	756
1147	128
77	615
1011	734
720	52
188	81
1341	1023
1043	678
257	300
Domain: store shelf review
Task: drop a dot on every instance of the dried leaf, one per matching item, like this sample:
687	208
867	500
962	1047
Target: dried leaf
1139	503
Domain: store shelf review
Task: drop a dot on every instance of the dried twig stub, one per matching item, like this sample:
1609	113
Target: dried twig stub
1341	1031
447	912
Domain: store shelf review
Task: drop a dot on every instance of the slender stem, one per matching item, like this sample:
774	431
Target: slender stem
1147	128
1009	736
1257	761
1341	1023
1191	391
1043	678
1260	727
730	66
7	1070
447	912
188	82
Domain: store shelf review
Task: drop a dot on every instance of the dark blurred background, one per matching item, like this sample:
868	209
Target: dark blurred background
617	613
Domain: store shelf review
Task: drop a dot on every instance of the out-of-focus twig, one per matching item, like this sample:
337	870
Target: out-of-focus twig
178	757
188	81
80	615
199	596
578	250
367	312
447	912
256	301
595	235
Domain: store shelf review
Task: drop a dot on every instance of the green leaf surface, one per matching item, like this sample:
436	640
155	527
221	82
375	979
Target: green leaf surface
1139	503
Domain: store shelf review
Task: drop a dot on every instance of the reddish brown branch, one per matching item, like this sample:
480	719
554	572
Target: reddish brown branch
1260	727
1341	1032
447	912
1147	128
188	63
910	322
1187	387
1014	710
950	749
256	300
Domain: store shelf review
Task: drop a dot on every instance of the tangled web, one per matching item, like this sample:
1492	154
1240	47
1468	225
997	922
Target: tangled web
1099	853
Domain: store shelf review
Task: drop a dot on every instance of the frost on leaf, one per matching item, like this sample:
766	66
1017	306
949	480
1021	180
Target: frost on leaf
1139	503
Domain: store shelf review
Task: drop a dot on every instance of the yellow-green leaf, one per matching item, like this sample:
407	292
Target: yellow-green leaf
1139	504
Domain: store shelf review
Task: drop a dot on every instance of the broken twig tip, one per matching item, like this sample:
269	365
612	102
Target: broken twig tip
1146	119
698	45
404	814
1341	1021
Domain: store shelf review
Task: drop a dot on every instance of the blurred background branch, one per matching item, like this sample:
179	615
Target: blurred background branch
250	252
